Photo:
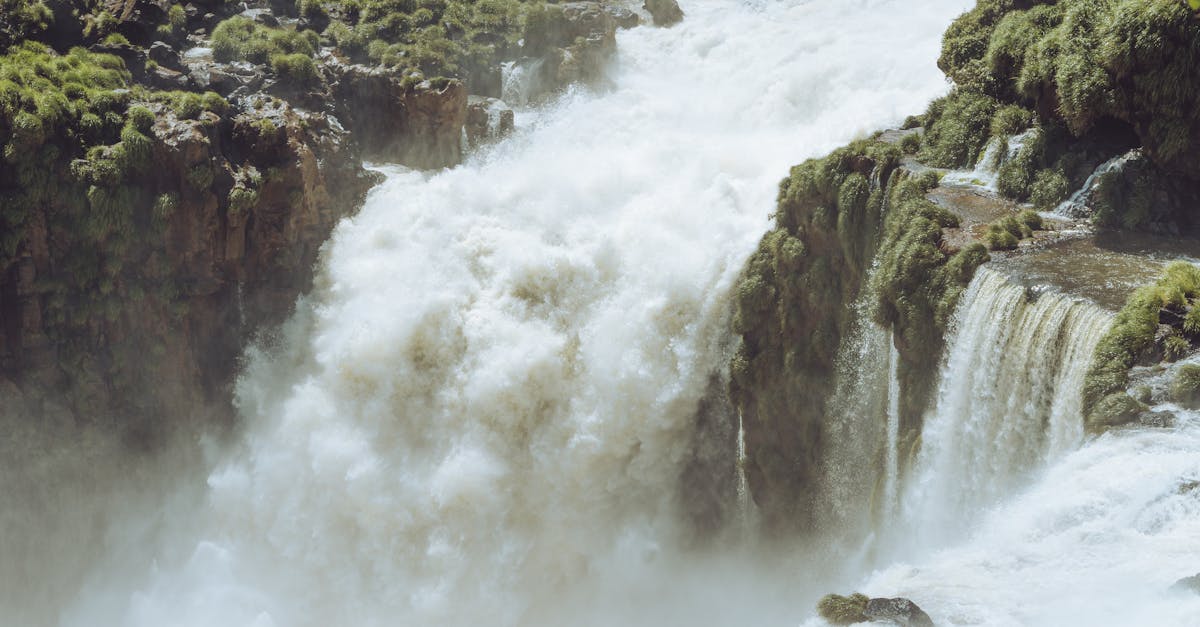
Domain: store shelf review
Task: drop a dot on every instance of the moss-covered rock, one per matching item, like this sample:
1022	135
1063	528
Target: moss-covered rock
1114	410
1133	338
1185	386
790	312
840	610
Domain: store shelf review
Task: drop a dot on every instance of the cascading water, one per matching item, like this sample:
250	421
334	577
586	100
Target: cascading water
1079	204
859	443
480	414
1007	402
986	173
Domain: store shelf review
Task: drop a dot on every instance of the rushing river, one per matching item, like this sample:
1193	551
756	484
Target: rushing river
481	413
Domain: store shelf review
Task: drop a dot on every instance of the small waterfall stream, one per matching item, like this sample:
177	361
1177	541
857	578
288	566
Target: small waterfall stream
1007	402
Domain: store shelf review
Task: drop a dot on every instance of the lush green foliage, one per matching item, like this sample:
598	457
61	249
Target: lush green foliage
1084	62
22	19
958	127
242	39
1132	336
918	282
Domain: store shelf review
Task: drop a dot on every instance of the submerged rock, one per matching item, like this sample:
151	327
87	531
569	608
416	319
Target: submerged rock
898	611
1157	419
1187	584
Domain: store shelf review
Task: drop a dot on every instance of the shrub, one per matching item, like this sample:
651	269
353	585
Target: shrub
998	238
958	129
911	143
1011	120
296	68
1049	189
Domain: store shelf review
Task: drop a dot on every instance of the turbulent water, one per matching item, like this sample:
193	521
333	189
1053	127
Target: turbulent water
481	414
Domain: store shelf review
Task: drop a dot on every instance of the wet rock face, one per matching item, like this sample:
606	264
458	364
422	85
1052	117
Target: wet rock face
897	611
573	43
664	12
488	119
245	202
420	126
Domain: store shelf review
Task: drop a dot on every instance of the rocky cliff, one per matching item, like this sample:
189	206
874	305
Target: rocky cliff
1049	98
171	171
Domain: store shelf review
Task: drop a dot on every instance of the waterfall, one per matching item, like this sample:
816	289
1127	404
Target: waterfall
1078	205
1008	400
481	413
892	476
986	173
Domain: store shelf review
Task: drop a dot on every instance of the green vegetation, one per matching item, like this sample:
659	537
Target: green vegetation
242	39
1132	338
435	38
957	129
791	306
1050	187
840	610
1100	75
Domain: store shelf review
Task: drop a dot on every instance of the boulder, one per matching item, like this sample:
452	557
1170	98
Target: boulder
664	12
163	54
1157	419
898	611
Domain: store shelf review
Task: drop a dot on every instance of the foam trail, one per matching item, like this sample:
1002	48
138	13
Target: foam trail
480	415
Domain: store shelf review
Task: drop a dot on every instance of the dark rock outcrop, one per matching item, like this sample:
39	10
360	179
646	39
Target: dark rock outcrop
418	125
898	611
243	205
